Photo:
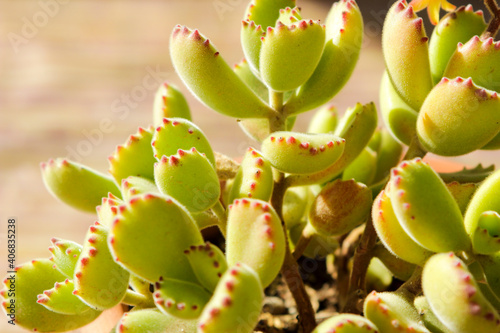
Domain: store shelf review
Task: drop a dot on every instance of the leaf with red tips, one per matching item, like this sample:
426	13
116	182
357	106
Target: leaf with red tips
289	55
99	281
177	133
346	323
253	224
356	127
239	294
406	54
254	178
456	27
153	247
181	299
77	185
208	263
152	320
211	79
191	179
465	308
426	209
393	312
31	281
108	210
344	36
65	256
340	207
392	234
135	158
132	186
290	15
60	299
266	12
478	59
251	35
303	155
169	103
458	117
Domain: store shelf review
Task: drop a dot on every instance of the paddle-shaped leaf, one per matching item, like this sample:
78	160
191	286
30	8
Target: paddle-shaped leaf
76	185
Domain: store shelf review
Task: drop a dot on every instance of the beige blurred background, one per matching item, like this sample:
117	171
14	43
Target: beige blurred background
67	67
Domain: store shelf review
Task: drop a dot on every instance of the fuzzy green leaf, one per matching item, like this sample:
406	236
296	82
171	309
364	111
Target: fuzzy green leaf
176	133
344	36
238	295
289	54
134	158
152	247
454	296
426	209
169	103
300	153
456	27
77	185
255	237
210	78
406	54
99	281
458	117
190	178
31	280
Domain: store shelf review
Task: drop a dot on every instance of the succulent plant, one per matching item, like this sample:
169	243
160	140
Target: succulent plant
340	194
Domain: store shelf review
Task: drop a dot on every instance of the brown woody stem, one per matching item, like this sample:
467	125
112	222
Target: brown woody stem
303	242
290	269
494	25
365	250
361	261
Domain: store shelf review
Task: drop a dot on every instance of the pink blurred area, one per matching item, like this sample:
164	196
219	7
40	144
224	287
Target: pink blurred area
67	67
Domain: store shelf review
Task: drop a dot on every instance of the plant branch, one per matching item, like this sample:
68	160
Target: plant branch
415	149
494	25
303	242
277	120
362	257
348	244
290	269
414	284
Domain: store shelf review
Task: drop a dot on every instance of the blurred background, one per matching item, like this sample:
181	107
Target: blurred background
72	85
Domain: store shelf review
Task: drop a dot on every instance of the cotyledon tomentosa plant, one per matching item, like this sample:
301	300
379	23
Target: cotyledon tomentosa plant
339	188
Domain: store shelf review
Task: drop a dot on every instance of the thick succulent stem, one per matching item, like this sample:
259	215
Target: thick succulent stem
414	284
301	245
138	300
364	251
362	258
494	25
415	149
277	120
346	251
290	269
